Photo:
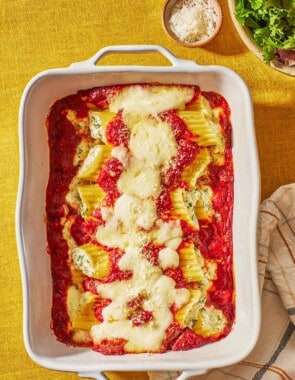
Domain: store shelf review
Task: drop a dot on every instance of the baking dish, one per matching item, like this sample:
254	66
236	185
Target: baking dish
37	98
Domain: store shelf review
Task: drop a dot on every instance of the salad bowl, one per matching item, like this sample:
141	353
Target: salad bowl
246	34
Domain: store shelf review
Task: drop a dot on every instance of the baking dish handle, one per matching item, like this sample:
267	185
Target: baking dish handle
176	62
183	376
187	374
93	375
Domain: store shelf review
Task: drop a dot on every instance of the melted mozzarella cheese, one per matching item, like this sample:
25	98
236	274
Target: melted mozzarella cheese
131	210
115	235
160	294
167	232
140	180
125	223
145	100
106	213
121	153
168	258
173	243
153	141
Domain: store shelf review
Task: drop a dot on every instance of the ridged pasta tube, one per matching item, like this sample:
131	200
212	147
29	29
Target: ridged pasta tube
203	207
91	197
189	263
98	121
97	156
184	315
200	128
92	260
191	173
179	208
80	308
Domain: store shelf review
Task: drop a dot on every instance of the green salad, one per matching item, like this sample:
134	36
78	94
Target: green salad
271	22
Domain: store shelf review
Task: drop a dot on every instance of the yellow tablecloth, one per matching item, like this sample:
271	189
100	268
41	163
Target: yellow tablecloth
38	35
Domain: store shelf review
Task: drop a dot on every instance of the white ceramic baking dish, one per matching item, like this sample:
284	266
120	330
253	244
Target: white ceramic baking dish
37	98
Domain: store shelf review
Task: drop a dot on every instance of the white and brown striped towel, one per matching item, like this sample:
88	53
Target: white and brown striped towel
273	357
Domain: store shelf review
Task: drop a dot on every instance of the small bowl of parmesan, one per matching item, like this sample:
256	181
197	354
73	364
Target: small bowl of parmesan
192	23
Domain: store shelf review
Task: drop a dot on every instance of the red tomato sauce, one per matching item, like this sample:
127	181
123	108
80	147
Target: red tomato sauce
187	152
179	127
83	231
111	346
117	133
107	180
214	237
99	96
61	138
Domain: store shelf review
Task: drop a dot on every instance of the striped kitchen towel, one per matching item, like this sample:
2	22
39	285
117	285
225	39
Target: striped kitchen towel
273	357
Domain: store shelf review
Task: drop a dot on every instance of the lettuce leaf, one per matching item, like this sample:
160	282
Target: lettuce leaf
271	22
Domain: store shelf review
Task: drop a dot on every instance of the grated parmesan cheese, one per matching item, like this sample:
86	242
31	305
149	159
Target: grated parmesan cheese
193	20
